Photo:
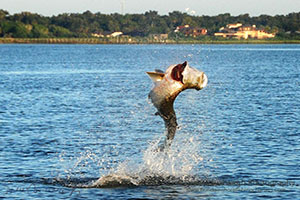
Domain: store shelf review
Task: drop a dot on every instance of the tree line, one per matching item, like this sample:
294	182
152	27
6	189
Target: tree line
82	25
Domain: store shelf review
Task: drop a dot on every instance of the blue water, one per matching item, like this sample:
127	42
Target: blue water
70	114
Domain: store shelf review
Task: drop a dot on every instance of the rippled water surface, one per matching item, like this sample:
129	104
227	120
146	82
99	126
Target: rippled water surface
71	114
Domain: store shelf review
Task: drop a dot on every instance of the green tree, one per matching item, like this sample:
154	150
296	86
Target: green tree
28	24
19	30
58	31
3	14
39	31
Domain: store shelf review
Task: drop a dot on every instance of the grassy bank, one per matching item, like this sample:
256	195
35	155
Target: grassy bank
137	40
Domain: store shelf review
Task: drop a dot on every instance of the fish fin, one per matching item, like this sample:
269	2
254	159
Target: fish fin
159	71
156	76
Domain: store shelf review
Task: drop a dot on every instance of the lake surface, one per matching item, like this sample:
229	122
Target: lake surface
70	114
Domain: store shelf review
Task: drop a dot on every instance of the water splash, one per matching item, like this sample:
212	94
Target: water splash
179	165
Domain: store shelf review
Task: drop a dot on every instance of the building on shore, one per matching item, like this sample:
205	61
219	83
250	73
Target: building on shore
159	37
107	34
98	35
115	34
191	31
239	31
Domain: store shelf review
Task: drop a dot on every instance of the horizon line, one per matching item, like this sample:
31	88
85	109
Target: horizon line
193	15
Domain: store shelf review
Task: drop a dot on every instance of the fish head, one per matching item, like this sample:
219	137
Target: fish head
192	78
188	77
176	79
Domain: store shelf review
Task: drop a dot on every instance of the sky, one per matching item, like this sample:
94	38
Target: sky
193	7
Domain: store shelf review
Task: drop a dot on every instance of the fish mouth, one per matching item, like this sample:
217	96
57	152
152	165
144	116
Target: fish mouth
204	81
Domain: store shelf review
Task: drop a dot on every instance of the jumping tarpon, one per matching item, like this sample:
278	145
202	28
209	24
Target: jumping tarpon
167	86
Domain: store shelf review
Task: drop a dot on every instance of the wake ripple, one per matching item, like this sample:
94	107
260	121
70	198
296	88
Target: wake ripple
115	181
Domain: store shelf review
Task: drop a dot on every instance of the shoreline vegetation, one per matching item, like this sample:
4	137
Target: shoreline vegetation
120	40
148	28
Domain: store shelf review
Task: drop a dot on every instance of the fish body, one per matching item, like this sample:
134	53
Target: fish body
167	86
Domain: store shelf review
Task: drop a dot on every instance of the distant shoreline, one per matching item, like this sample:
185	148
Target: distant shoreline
136	41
